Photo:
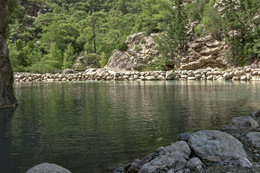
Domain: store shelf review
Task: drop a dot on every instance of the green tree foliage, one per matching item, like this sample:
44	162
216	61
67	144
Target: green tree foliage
173	42
75	27
68	57
241	27
54	57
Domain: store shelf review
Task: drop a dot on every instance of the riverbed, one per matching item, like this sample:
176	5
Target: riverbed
95	126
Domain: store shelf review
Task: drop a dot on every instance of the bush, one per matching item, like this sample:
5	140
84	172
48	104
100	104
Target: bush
103	59
137	48
122	47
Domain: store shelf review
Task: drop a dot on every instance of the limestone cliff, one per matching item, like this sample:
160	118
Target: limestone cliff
140	52
202	53
7	98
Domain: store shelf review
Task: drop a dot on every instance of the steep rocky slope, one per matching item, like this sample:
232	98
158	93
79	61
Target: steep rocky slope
202	53
140	52
7	98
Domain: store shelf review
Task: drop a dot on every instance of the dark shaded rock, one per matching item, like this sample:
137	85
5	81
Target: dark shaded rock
119	170
255	114
135	167
183	137
7	98
47	168
4	12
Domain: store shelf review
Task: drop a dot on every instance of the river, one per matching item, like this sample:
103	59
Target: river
93	127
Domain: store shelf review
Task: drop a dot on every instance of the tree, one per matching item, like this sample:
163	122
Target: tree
173	42
240	25
54	57
68	57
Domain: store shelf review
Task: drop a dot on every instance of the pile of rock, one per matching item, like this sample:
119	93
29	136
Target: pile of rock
235	148
243	74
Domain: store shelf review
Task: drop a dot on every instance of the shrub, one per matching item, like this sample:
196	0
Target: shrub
122	47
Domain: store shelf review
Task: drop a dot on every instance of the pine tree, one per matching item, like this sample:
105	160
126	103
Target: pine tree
54	57
173	42
68	57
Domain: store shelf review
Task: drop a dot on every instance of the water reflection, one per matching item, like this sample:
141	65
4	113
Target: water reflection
5	119
96	126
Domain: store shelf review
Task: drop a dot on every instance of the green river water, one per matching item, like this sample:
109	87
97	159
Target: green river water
94	127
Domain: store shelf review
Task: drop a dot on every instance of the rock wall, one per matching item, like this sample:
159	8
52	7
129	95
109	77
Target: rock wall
202	53
140	52
205	52
7	98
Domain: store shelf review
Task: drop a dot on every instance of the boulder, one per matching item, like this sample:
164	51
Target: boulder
254	138
209	144
47	168
243	123
172	156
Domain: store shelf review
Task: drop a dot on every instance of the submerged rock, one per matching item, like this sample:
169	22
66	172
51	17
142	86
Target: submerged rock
208	144
48	168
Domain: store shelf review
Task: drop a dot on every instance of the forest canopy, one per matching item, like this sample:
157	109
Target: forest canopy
48	35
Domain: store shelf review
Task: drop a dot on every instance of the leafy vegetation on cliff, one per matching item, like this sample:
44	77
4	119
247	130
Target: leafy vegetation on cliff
48	35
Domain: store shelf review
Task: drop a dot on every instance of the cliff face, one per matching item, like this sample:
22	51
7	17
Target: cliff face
202	53
7	98
140	52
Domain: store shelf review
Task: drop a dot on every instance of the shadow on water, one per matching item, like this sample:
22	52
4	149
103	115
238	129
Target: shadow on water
5	119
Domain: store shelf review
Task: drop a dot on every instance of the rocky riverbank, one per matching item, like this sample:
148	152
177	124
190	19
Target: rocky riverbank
235	148
243	74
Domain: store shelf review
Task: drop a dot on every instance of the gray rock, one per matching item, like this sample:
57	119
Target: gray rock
170	171
172	156
254	138
214	143
193	163
243	123
47	168
245	163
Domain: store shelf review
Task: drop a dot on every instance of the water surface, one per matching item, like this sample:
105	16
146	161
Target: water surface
93	127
